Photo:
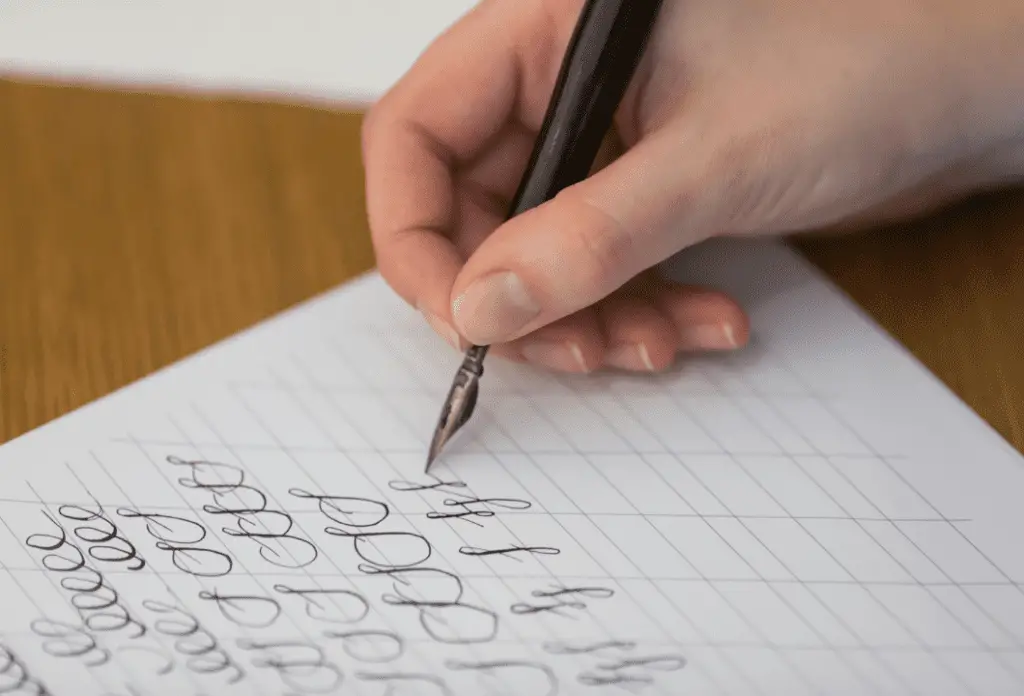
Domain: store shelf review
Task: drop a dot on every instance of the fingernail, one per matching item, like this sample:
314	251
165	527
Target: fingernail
630	356
709	337
566	357
493	308
443	329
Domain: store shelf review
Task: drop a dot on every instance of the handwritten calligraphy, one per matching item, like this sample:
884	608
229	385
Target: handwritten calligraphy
477	507
519	669
201	650
255	521
15	678
96	601
369	645
633	671
106	543
443	613
557	599
349	606
168	528
65	640
314	631
181	538
400	555
249	611
509	551
413	486
300	665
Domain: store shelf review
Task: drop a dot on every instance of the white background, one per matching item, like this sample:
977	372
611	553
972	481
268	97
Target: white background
338	50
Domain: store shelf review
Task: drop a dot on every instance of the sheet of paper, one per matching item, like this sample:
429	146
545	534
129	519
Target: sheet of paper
816	515
348	51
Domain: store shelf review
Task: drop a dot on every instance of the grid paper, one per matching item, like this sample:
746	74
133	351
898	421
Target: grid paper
814	515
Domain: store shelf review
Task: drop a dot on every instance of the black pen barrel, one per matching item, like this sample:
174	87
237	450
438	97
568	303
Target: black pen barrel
603	53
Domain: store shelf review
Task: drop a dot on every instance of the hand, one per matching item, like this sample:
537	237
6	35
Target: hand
745	117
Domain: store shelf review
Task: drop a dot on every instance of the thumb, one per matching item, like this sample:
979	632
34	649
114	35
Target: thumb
581	245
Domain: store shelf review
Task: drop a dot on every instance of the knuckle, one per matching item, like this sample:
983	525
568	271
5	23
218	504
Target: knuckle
750	172
601	248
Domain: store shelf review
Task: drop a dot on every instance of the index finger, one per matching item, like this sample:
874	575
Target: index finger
459	94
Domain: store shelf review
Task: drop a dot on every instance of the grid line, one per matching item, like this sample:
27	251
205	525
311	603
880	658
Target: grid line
724	517
782	599
887	610
413	375
870	448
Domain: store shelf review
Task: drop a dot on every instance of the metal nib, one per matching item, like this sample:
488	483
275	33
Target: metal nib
461	402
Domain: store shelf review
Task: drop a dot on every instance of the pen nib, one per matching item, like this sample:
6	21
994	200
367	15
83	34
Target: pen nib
460	404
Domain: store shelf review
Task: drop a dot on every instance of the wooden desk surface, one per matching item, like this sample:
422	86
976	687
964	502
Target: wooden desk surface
137	229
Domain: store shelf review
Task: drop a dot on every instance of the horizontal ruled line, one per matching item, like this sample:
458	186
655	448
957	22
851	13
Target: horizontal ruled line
482	450
543	575
526	513
651	642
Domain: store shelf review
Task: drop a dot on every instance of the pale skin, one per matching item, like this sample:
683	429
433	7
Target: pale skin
745	117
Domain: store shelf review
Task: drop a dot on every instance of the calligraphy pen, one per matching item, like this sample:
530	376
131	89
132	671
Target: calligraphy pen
605	48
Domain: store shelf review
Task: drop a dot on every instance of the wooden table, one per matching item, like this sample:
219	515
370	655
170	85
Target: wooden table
136	229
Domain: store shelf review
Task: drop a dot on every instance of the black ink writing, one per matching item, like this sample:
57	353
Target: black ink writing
299	665
98	604
355	517
560	648
369	645
509	551
616	679
64	640
197	561
106	543
663	663
412	486
250	611
437	595
619	672
554	607
557	601
200	649
15	677
168	528
287	551
467	511
350	605
382	548
591	592
180	537
351	512
518	667
270	529
465	514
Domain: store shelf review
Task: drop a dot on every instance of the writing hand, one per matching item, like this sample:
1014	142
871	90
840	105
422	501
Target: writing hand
746	117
